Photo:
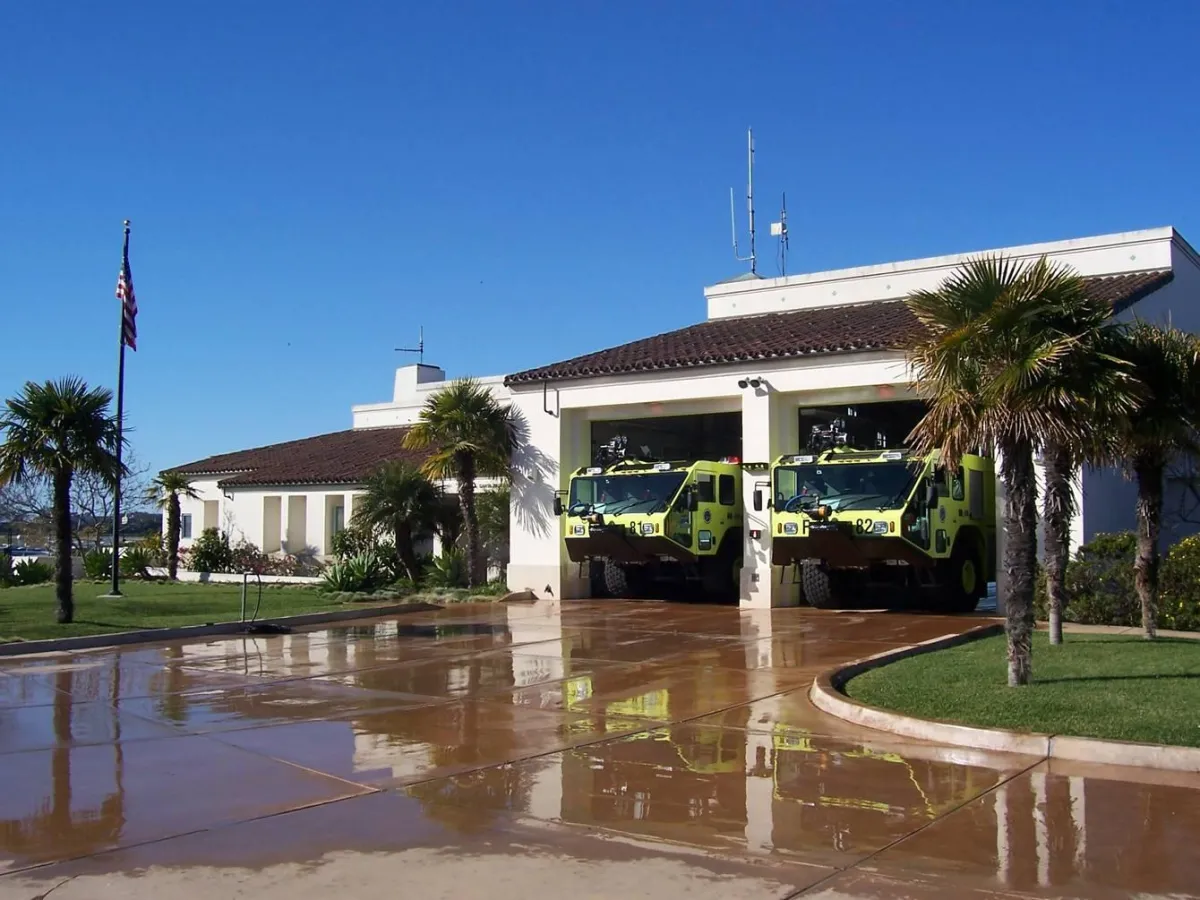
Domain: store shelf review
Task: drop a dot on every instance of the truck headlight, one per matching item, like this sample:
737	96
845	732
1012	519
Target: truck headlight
578	530
647	528
880	528
791	528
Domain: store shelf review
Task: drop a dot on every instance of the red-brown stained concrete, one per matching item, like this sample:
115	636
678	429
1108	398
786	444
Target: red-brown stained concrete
583	749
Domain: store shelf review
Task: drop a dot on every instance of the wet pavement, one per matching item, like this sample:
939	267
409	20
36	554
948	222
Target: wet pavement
596	749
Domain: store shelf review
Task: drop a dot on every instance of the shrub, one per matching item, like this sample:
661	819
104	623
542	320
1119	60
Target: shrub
1099	582
136	561
1179	587
97	564
351	542
292	564
245	556
33	571
362	573
155	548
211	552
447	571
6	570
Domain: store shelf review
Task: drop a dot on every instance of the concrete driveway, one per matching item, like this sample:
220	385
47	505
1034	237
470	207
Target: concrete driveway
599	749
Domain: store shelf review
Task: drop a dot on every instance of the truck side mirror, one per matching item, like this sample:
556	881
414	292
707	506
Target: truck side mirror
931	494
693	501
558	507
758	500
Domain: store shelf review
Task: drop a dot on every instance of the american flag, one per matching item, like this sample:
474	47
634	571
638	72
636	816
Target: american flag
128	304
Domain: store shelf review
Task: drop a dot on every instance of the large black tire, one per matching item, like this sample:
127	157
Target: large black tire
818	586
616	580
962	580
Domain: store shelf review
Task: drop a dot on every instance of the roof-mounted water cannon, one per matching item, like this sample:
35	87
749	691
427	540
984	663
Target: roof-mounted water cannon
827	437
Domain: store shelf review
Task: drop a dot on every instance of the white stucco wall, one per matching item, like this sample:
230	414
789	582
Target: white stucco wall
1133	251
241	512
413	386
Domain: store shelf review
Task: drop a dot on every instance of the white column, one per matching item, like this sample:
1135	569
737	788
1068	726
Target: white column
1003	849
555	443
769	429
1078	789
317	524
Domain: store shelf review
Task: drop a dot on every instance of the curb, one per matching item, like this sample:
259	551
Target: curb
827	694
518	597
183	632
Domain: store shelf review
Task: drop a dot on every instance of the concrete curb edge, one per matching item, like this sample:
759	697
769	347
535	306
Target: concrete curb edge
184	632
828	695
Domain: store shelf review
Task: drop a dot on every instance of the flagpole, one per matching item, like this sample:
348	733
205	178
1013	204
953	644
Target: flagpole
116	531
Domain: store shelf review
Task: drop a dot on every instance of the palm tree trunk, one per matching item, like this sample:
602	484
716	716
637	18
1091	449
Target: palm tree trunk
63	547
1020	556
405	550
173	525
1149	474
466	501
1056	519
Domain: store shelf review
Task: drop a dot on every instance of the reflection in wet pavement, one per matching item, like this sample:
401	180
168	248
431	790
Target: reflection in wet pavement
587	735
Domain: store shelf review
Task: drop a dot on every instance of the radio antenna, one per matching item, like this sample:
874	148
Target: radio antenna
419	349
752	258
779	230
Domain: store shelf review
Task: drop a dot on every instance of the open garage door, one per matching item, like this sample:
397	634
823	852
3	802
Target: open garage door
881	424
658	515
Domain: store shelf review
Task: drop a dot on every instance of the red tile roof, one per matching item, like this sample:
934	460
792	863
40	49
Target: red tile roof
882	325
343	457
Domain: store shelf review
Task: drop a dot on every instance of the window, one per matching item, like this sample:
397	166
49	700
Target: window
705	487
725	490
185	525
339	520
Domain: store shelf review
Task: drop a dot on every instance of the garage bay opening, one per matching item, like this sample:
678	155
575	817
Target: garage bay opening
658	513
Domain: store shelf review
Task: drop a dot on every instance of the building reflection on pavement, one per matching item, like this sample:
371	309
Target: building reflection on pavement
671	723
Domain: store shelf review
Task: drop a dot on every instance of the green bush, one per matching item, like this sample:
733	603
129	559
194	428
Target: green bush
352	541
1099	582
447	571
1179	587
34	571
362	573
211	552
155	547
6	570
136	561
1101	590
97	564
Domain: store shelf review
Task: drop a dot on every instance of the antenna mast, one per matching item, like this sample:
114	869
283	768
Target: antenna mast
752	258
419	349
779	230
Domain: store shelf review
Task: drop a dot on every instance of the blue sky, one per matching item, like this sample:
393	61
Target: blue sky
310	181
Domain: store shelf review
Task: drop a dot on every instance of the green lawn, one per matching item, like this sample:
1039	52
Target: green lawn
1103	686
28	612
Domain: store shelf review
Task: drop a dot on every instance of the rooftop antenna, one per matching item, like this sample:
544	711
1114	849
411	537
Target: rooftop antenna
753	260
779	230
419	349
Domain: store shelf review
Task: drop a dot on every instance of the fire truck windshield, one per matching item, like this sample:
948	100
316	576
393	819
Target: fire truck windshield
644	492
846	486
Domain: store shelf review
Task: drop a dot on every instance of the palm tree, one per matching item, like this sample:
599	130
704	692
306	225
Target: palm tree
1100	386
1162	427
997	335
400	500
165	491
53	431
470	434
